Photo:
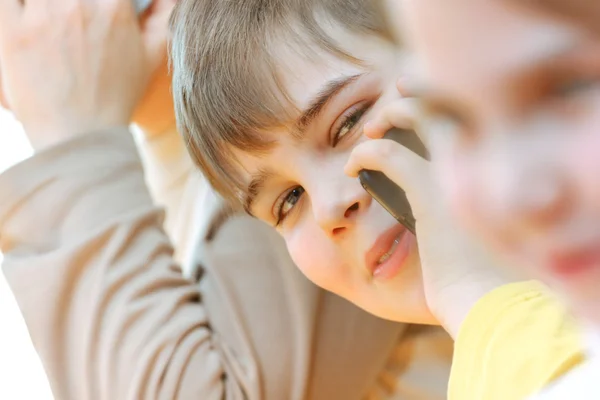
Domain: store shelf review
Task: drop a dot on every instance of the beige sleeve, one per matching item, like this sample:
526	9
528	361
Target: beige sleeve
92	271
177	186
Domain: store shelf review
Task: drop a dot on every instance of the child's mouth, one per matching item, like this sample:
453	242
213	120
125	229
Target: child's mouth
387	255
385	259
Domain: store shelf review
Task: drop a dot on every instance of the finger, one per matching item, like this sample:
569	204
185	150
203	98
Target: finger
375	129
399	114
401	165
406	86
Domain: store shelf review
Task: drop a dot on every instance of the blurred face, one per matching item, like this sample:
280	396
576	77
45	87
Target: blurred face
512	99
339	237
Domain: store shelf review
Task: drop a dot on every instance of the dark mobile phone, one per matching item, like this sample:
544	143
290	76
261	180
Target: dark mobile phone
386	192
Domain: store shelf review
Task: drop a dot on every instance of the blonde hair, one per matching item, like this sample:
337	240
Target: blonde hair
226	86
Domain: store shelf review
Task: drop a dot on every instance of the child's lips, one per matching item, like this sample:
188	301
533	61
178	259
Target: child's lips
385	259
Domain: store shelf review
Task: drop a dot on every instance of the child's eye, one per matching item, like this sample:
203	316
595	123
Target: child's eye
287	203
348	121
571	97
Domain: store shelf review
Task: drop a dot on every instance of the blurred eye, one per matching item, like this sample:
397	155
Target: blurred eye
572	97
575	87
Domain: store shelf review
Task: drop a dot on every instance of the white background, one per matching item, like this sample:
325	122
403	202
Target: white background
21	373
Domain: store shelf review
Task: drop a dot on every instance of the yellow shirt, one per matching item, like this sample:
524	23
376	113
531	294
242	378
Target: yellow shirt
514	341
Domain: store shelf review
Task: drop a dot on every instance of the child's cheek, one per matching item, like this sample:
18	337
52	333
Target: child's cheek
317	257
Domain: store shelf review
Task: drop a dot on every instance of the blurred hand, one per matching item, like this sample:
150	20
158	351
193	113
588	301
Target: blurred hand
76	66
457	271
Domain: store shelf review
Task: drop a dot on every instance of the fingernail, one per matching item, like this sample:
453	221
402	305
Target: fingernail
373	129
349	171
368	126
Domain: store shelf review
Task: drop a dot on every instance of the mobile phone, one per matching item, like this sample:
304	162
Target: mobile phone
384	190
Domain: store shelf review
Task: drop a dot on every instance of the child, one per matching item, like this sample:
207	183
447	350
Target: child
519	113
278	130
106	304
273	132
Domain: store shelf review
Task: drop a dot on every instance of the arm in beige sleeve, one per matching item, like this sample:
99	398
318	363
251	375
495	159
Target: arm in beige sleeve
175	185
92	270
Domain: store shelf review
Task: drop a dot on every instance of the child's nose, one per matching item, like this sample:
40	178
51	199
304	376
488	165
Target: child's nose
337	213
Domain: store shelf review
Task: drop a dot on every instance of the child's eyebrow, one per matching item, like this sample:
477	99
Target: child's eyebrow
325	96
586	13
549	63
256	184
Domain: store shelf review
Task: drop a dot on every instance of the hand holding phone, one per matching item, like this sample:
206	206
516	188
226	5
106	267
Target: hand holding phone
450	258
384	190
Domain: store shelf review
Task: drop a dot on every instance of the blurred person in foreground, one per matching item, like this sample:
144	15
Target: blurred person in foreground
514	129
109	310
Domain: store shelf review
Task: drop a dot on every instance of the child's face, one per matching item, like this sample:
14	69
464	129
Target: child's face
513	105
340	238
